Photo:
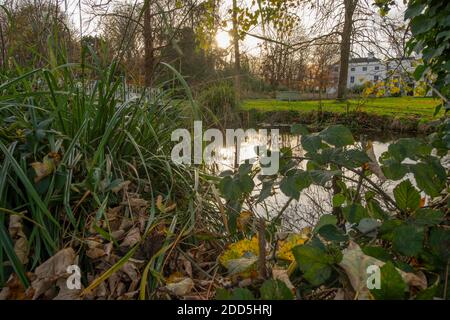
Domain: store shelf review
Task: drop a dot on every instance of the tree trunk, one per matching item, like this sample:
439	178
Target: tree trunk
237	55
148	46
346	38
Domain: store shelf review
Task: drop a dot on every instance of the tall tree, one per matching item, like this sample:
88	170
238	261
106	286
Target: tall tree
346	37
149	55
237	54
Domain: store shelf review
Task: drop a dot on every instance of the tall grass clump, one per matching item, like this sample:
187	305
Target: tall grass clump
71	140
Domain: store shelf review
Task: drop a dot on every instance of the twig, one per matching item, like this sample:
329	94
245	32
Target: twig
262	248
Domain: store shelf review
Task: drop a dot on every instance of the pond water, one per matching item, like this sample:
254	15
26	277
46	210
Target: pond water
315	200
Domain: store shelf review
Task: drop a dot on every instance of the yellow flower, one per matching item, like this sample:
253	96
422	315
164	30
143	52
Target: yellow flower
239	250
285	246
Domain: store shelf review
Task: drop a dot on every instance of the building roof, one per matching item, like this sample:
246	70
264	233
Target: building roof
363	60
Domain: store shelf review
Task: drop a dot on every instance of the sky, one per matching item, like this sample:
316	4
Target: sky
249	45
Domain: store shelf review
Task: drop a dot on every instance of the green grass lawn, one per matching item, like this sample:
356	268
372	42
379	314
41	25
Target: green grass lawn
402	107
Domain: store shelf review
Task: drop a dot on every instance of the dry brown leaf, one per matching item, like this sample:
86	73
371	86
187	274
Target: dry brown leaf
355	264
133	236
181	287
51	270
14	290
95	253
44	168
282	275
15	229
66	293
120	186
373	164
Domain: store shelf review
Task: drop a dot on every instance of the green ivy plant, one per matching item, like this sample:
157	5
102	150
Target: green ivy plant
398	228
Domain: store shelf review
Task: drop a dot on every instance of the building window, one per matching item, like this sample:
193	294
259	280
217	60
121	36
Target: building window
377	68
352	79
352	69
375	78
364	68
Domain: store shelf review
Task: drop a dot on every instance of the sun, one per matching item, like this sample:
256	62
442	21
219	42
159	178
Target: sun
223	39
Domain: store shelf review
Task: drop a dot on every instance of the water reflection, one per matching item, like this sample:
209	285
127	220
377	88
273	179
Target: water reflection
313	202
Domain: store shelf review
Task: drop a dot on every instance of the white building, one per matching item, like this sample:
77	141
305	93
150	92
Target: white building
362	70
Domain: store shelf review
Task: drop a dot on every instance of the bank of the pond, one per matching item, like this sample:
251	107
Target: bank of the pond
403	114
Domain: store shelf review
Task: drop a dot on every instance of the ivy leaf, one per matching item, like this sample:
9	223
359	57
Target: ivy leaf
408	240
406	196
314	262
392	286
337	135
275	290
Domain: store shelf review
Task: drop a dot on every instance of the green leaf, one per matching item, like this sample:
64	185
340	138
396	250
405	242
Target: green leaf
354	213
242	294
275	290
299	129
388	227
222	294
338	200
332	233
439	242
421	24
377	252
418	72
392	286
393	169
427	294
246	183
430	177
428	217
337	135
314	263
414	9
321	177
266	190
408	148
368	226
324	220
228	188
291	185
406	196
311	142
408	240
